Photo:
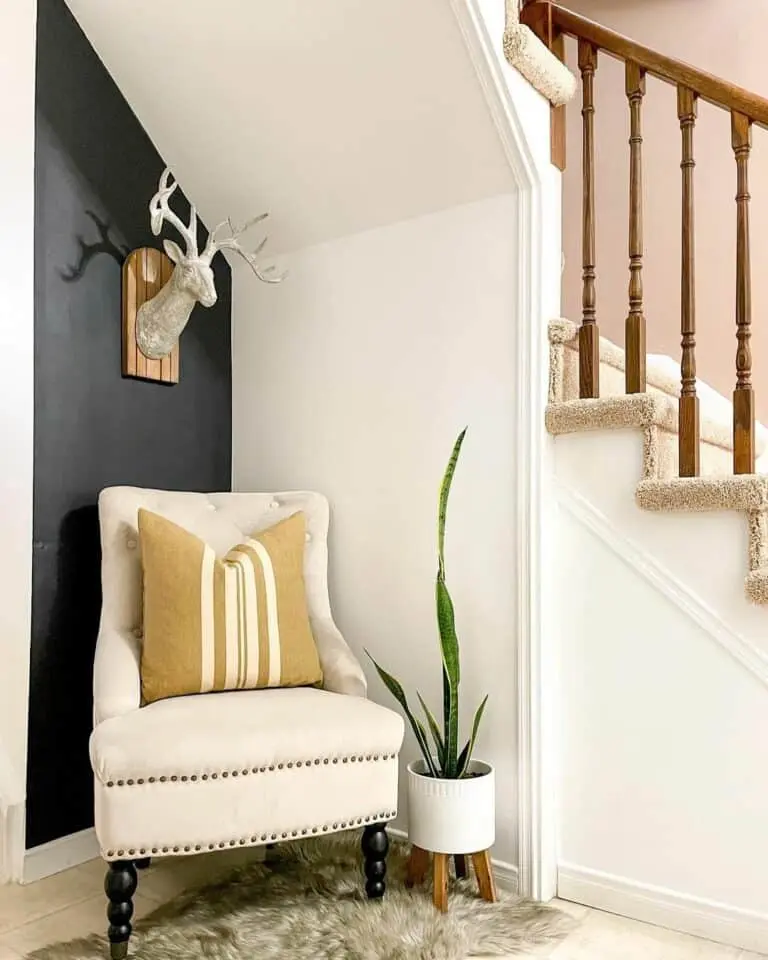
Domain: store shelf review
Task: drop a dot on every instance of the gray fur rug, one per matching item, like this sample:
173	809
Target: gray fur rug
307	903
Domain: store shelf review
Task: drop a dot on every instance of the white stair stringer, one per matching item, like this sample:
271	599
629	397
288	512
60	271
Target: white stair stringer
655	414
662	579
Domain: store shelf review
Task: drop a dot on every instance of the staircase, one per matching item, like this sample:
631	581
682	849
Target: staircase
700	453
658	668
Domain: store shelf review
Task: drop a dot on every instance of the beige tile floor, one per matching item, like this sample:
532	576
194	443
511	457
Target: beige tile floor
71	904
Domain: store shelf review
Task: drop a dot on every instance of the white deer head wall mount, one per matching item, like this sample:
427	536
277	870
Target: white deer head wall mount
161	320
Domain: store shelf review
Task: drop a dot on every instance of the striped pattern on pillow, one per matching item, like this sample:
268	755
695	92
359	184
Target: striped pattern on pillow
235	623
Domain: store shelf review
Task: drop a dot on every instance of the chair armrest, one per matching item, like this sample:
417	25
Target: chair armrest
341	671
116	674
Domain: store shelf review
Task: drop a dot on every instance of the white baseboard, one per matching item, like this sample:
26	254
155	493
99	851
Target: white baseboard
61	854
664	908
12	827
12	820
506	873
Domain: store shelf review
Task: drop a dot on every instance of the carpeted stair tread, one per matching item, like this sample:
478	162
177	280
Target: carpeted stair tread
756	586
655	415
747	493
605	413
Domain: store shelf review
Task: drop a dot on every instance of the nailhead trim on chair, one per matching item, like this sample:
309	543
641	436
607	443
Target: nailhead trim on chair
255	839
194	777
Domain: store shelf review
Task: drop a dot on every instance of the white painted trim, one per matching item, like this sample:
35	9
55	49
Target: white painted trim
665	908
535	697
59	855
490	67
506	873
18	22
737	646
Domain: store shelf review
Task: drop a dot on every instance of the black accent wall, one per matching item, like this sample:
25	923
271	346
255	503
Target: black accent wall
95	165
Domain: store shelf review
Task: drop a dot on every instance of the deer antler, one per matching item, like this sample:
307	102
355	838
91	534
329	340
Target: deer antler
160	211
233	243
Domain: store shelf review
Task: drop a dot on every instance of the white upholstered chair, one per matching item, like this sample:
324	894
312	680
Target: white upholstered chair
206	772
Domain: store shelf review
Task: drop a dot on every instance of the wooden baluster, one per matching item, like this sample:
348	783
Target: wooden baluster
743	395
634	342
589	335
688	427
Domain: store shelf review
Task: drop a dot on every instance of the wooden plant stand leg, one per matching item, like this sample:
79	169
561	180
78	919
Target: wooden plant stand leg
460	862
485	879
440	880
418	864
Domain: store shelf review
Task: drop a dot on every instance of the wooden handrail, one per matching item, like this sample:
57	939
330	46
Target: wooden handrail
729	96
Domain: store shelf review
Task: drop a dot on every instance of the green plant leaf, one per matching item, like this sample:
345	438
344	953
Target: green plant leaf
395	688
449	643
446	705
435	730
449	646
425	749
466	753
445	489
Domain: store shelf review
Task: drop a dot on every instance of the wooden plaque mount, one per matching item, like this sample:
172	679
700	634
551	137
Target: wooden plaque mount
145	272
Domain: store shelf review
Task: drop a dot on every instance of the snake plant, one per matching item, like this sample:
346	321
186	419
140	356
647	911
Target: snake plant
442	756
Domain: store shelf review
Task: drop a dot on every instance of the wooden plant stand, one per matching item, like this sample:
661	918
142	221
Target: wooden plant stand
418	864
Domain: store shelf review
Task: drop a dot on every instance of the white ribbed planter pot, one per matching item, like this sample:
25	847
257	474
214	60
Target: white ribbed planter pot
452	816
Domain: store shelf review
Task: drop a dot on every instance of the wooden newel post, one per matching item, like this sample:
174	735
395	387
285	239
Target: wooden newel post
688	428
634	337
537	15
589	334
743	395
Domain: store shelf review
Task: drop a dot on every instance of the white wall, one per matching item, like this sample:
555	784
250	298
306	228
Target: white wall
17	118
354	377
663	700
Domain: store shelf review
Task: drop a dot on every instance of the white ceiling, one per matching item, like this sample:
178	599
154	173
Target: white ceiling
336	115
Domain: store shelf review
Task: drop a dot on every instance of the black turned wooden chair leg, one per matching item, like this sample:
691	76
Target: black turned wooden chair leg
144	864
120	886
375	848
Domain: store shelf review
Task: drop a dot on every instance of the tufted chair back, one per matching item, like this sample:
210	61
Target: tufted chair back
222	520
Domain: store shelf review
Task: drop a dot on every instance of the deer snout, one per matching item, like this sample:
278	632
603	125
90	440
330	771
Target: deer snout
208	298
207	287
197	279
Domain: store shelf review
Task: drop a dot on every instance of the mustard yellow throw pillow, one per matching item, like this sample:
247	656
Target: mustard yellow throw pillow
236	623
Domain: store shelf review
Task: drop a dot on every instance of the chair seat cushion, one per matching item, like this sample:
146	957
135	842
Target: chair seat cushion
241	768
237	732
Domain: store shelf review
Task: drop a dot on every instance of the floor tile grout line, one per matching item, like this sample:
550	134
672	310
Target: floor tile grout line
50	913
6	944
